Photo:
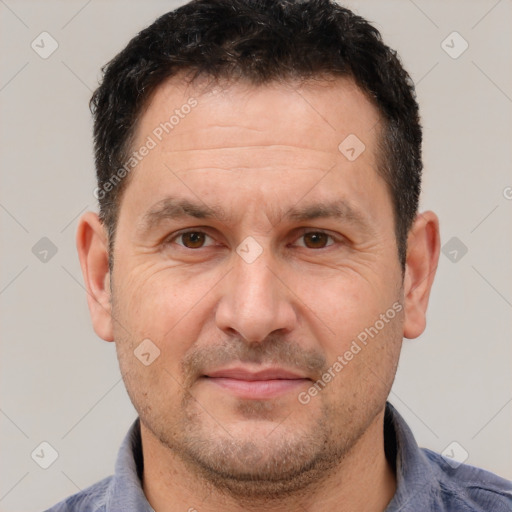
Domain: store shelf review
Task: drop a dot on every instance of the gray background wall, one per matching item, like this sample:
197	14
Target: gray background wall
60	383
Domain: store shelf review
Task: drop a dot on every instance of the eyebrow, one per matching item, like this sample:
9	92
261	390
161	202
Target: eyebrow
172	208
339	209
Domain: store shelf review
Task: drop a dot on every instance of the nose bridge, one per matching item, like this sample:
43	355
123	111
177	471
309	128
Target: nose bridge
253	284
254	303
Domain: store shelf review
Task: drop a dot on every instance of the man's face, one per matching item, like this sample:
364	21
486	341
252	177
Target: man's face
248	242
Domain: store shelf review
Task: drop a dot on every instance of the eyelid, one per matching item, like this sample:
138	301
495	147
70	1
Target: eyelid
305	231
299	232
171	238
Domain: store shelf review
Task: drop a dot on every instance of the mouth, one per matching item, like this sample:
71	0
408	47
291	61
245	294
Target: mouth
256	385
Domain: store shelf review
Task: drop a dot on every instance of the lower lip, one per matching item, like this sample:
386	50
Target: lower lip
257	389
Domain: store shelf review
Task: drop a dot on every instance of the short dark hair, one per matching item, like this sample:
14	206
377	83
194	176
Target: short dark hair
260	41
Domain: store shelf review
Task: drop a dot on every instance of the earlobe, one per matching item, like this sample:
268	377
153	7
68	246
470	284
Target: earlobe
423	248
92	246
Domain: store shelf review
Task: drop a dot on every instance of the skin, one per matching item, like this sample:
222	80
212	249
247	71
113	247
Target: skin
254	153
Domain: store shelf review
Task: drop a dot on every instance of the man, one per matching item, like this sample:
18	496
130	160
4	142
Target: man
258	259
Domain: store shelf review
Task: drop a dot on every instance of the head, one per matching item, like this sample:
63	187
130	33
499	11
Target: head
259	169
259	42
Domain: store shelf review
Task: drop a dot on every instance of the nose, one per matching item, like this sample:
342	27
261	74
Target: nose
256	301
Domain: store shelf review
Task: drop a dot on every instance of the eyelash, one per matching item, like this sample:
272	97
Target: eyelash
303	232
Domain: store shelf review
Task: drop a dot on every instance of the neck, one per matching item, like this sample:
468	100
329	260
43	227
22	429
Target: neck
364	480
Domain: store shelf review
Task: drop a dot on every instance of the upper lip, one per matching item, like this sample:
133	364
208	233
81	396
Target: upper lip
246	374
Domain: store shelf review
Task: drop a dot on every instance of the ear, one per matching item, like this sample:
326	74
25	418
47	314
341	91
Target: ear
92	246
423	247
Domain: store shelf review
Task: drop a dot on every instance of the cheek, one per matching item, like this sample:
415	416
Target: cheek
166	305
343	303
153	308
361	346
363	356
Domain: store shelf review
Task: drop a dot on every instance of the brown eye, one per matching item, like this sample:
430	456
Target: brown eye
193	239
316	240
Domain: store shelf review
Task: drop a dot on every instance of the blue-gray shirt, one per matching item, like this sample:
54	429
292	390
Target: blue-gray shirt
426	481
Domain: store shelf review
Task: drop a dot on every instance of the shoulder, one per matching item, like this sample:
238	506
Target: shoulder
468	488
91	499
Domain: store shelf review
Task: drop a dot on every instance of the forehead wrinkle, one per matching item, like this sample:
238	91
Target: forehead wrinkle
175	208
223	147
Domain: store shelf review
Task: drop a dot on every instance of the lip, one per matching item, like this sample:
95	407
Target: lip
255	385
246	374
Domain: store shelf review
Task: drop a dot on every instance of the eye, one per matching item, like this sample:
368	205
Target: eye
316	240
192	239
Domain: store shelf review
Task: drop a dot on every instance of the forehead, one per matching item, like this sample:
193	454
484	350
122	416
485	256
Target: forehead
269	142
322	112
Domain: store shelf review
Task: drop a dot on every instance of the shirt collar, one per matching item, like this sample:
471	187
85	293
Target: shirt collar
125	493
414	473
